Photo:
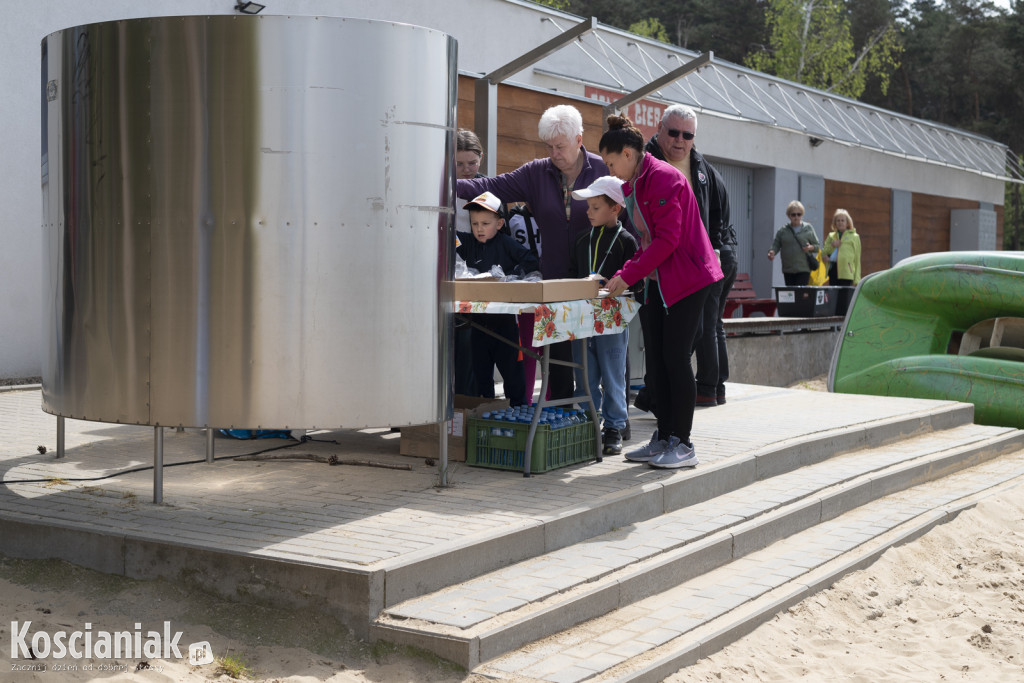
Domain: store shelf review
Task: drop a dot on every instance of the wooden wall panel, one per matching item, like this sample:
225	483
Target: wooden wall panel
870	207
464	113
932	222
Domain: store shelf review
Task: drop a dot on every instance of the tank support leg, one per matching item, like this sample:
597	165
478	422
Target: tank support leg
442	451
209	444
60	436
158	465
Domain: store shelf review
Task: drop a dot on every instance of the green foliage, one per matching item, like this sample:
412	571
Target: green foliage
961	66
728	27
957	62
650	28
731	28
810	42
234	667
564	5
1013	214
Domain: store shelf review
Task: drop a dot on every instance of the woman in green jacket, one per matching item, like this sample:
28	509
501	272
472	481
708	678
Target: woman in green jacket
794	241
842	247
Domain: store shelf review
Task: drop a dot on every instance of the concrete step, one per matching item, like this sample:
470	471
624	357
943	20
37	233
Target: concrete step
485	617
429	570
656	636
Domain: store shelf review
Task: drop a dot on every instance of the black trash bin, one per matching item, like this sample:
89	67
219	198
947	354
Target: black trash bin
806	302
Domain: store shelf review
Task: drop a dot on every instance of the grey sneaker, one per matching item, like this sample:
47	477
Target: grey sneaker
680	455
651	449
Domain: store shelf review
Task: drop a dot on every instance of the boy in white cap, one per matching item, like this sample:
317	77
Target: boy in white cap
483	249
600	254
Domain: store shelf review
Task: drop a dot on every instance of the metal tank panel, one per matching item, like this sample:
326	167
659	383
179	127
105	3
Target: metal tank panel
247	221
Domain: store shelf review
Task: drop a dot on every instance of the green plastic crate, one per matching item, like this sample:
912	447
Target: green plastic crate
552	448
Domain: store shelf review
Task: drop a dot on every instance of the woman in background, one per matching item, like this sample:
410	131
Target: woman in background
468	155
842	247
794	240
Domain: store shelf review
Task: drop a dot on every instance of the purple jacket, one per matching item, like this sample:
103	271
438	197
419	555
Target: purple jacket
672	238
539	184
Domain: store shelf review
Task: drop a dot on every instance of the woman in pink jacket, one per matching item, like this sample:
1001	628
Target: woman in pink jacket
680	265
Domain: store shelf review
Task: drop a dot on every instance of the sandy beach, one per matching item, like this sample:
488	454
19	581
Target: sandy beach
946	607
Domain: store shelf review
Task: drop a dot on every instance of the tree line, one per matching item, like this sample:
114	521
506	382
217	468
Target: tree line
957	62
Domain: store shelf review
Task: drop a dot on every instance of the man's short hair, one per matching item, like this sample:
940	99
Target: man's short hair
682	111
558	121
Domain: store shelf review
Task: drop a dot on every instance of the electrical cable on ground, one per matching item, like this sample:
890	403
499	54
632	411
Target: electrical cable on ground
149	467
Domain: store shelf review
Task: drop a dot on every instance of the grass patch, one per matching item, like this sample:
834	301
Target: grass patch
55	481
233	666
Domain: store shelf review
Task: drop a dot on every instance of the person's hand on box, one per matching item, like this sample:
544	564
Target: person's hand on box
616	286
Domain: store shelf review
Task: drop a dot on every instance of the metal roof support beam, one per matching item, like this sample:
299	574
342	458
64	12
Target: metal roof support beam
486	104
658	84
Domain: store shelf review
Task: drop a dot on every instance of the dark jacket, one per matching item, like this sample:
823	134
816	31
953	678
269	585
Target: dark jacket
501	250
604	249
712	199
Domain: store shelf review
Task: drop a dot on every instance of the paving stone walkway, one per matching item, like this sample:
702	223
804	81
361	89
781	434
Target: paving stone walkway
540	578
349	516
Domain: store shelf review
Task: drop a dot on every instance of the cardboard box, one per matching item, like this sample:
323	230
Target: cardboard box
421	441
544	291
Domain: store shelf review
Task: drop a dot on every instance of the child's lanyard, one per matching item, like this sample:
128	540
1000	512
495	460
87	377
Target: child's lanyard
592	257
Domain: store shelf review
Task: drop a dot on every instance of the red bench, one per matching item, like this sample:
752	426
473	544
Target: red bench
743	297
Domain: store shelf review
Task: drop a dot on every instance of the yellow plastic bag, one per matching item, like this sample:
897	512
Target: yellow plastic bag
819	277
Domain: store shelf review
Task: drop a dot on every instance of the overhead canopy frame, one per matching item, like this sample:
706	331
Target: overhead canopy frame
619	60
486	105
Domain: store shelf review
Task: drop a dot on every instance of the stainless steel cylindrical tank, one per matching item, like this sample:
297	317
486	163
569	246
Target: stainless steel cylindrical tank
247	221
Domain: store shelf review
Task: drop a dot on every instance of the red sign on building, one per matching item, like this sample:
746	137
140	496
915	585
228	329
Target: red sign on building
645	114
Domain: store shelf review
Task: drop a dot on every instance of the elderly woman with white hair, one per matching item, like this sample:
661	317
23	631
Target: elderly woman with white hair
547	186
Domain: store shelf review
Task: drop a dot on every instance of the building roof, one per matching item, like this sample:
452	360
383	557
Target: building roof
621	61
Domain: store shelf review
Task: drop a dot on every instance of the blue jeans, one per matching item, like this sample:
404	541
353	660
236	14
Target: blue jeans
606	358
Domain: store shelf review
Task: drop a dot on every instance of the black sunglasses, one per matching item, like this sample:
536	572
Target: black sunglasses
796	213
673	133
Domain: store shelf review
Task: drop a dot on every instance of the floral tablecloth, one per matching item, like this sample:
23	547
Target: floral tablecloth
565	320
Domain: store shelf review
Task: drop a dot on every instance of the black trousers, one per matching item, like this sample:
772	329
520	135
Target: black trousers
465	380
797	279
712	354
489	352
669	374
834	280
561	383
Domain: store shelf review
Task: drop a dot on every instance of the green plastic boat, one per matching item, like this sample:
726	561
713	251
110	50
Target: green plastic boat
945	326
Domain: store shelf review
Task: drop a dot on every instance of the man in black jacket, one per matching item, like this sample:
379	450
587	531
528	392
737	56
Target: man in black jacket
674	143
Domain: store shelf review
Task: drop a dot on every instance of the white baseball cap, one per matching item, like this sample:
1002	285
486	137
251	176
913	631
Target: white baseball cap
607	185
486	201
